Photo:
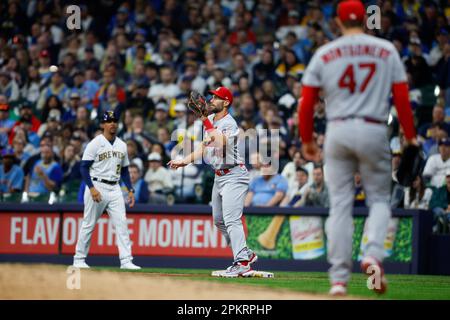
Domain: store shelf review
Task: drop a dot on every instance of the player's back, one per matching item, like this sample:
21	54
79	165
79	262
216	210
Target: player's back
356	73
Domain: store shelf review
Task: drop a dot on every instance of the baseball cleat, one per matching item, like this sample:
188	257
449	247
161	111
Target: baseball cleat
252	258
338	289
130	266
80	264
238	269
366	263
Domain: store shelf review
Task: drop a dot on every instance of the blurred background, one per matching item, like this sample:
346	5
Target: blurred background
142	58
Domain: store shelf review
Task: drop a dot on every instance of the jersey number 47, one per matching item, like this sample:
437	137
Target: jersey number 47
347	80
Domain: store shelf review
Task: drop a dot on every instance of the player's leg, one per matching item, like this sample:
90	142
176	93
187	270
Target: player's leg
341	165
375	168
216	203
233	196
117	213
92	211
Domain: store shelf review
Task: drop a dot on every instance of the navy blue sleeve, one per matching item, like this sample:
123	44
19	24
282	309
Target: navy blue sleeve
125	176
143	194
119	110
84	170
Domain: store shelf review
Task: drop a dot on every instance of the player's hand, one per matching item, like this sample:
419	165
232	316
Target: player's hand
175	164
96	196
412	142
310	151
208	141
131	199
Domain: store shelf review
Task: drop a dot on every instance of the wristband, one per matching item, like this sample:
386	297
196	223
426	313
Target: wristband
208	125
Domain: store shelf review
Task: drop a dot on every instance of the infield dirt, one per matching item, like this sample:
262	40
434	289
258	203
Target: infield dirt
45	281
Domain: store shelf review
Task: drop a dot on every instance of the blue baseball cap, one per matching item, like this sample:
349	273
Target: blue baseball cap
8	152
109	116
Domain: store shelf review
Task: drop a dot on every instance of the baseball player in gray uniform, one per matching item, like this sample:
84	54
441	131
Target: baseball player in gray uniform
104	163
231	181
357	73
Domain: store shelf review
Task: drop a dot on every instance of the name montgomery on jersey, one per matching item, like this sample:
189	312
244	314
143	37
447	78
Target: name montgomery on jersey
109	154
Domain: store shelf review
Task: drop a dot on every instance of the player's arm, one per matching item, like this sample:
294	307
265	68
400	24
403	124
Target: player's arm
310	96
84	170
218	138
400	94
190	158
87	160
125	176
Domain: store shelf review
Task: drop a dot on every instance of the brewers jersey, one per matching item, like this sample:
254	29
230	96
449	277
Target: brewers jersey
355	71
108	158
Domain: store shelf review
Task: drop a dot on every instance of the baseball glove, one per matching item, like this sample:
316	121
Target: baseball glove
197	104
411	165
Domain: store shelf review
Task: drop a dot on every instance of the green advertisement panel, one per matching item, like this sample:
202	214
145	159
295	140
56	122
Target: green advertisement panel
304	238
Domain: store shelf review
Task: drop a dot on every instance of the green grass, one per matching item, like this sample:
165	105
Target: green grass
404	287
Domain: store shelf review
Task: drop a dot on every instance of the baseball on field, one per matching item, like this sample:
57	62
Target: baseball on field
53	68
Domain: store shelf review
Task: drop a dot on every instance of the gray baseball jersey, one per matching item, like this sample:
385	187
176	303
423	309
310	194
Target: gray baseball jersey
356	73
223	158
229	190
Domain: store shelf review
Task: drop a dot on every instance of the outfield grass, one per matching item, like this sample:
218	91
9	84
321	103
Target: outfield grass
400	286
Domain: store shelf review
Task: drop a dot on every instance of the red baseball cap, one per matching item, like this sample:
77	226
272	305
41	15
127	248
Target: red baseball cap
4	107
223	93
44	54
351	10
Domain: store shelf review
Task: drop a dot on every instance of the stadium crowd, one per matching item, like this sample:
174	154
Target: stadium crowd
142	58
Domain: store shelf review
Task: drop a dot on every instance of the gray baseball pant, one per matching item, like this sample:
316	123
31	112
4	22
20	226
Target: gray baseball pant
228	196
356	145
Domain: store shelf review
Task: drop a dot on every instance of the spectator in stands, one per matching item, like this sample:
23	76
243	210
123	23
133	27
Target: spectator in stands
417	196
26	112
139	103
11	175
101	95
19	145
161	120
255	166
52	124
139	185
133	154
166	89
317	194
267	190
417	66
297	191
9	87
398	191
438	117
435	133
440	204
70	165
438	164
57	87
46	174
70	114
6	124
158	179
111	102
290	169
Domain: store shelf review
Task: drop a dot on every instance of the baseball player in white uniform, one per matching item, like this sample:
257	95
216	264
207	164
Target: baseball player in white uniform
231	181
357	73
104	163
